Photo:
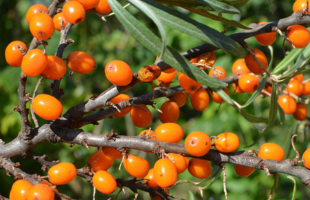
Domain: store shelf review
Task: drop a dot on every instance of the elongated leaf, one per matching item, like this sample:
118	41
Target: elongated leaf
295	187
191	196
282	66
273	105
185	24
236	3
224	96
220	7
153	43
282	115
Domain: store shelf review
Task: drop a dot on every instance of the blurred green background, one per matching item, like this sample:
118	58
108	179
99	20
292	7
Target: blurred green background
107	41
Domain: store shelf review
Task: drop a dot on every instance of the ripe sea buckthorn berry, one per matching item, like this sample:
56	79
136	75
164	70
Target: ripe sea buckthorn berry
20	190
271	151
51	185
34	62
252	65
150	179
111	152
149	73
170	112
306	88
295	87
47	107
141	117
298	35
88	4
179	162
41	192
287	103
217	98
81	62
62	173
167	77
165	173
266	39
301	112
239	67
118	73
248	83
180	98
189	85
243	171
74	12
200	99
41	26
197	143
194	60
299	77
58	20
104	182
151	136
306	158
35	9
237	88
215	72
169	132
55	68
136	166
103	7
99	161
13	55
300	5
226	142
208	59
120	98
171	70
199	168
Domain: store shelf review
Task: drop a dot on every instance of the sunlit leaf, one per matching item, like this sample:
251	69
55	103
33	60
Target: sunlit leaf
282	66
220	7
295	187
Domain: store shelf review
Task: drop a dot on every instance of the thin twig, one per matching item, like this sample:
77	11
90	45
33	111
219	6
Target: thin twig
33	96
224	180
293	145
276	179
97	14
288	40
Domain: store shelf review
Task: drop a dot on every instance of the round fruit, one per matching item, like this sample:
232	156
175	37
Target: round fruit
118	73
118	99
252	65
41	26
287	103
136	166
299	77
217	98
165	173
248	83
34	62
150	179
189	85
55	68
171	70
179	162
306	89
199	168
47	107
197	143
217	74
111	152
301	112
58	20
103	7
81	62
266	39
88	4
104	182
167	77
170	112
169	132
35	9
74	12
239	67
200	99
99	161
151	136
41	191
243	171
295	87
300	5
13	55
20	190
226	142
237	88
306	158
62	173
271	151
141	117
180	98
298	35
51	185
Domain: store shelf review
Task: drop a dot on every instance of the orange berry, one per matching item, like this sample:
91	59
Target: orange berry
197	143
171	70
88	4
226	142
306	158
152	136
237	88
150	179
306	88
58	20
295	87
111	152
243	171
252	65
287	103
300	5
149	73
200	99
74	12
217	98
99	161
51	185
20	190
170	112
41	26
103	7
35	9
301	112
34	62
62	173
208	59
55	68
169	132
119	98
217	74
271	151
118	73
141	117
299	77
47	107
248	83
165	173
266	39
239	67
194	60
41	192
81	62
167	77
179	162
104	182
180	98
199	168
136	166
298	35
189	85
13	55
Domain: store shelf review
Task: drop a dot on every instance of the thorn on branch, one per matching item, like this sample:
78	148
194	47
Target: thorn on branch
22	49
262	165
17	109
27	97
44	168
109	103
84	143
71	145
111	135
285	38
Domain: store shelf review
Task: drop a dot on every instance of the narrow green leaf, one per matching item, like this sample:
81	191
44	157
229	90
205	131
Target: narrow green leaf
191	196
282	115
220	7
236	3
153	43
252	118
282	66
273	105
224	96
295	187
